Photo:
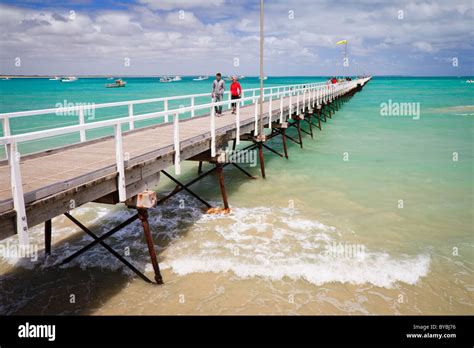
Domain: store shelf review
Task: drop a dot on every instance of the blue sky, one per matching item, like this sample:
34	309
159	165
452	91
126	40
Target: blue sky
191	37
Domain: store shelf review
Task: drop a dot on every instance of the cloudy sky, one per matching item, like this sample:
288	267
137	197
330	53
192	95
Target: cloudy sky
190	37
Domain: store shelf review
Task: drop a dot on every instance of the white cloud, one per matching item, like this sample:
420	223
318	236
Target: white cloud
423	46
212	33
180	4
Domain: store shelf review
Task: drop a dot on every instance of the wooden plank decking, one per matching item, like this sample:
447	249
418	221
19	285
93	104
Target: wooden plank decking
86	172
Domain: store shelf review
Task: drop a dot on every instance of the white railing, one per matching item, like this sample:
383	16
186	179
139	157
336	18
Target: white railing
307	95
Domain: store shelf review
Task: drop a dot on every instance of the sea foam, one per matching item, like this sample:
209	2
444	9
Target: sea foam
265	242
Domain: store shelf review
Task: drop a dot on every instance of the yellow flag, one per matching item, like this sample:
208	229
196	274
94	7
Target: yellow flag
342	42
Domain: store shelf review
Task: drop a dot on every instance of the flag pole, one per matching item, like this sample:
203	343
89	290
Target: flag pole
260	132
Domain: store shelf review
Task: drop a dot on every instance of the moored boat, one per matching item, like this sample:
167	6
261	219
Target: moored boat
118	83
69	79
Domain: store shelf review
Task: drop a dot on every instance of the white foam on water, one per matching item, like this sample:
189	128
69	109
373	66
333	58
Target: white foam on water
377	269
275	244
270	243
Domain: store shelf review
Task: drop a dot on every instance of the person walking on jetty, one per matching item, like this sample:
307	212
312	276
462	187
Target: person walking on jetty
235	92
218	88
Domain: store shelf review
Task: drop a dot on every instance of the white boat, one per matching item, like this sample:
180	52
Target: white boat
6	79
265	77
241	77
110	78
69	79
55	79
470	81
201	78
170	79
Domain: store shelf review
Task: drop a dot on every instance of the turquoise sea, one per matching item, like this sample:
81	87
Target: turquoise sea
400	186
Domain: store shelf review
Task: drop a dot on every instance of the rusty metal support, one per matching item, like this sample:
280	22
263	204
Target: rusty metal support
262	161
182	186
309	114
48	229
241	169
272	150
100	240
220	175
283	139
143	216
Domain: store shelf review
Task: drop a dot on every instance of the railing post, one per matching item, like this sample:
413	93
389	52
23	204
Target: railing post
270	110
119	159
17	193
237	125
281	107
213	130
6	132
130	115
298	103
228	104
243	96
82	132
304	99
193	112
165	107
290	110
177	147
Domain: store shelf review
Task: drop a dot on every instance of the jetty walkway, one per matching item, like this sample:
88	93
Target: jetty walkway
125	167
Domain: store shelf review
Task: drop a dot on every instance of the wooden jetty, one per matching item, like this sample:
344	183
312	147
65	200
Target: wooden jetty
123	168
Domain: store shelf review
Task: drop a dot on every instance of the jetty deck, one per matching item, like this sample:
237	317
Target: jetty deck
37	187
58	171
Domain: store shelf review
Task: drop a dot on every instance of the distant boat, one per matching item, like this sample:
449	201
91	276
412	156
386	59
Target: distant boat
110	78
241	77
201	78
6	79
69	79
56	78
228	78
265	77
118	83
170	79
469	81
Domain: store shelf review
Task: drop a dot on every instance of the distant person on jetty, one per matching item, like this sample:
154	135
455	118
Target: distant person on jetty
235	92
218	88
333	80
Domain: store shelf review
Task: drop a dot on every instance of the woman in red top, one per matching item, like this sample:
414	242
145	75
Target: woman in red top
235	92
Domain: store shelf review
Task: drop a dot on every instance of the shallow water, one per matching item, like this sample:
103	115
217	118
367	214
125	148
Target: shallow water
373	216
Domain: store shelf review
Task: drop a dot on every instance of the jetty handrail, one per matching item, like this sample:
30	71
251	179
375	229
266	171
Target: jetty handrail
80	109
180	110
134	102
311	93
